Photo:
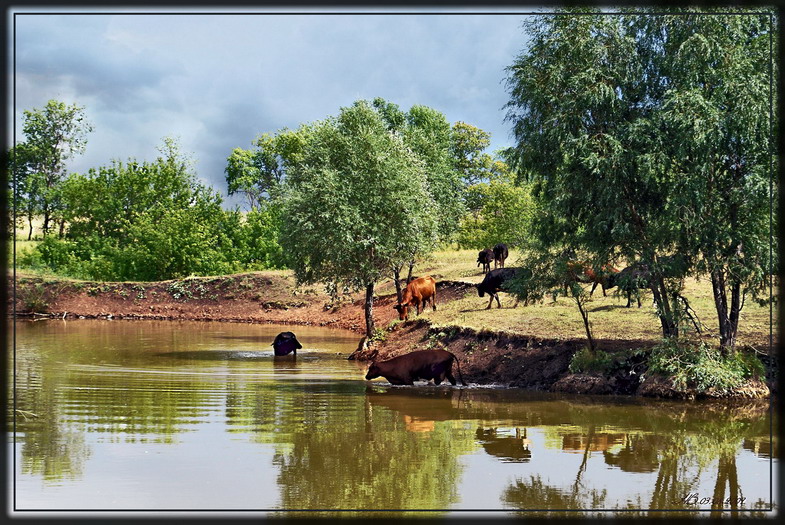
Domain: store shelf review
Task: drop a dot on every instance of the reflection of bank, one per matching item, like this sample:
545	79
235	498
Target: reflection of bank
762	446
510	449
593	442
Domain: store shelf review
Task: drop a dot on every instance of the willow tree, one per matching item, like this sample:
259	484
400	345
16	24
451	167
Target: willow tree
646	135
715	110
357	203
579	112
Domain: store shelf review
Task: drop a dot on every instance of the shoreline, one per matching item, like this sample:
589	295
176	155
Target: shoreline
485	356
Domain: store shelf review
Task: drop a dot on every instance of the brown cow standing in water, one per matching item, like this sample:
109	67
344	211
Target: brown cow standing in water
417	293
420	364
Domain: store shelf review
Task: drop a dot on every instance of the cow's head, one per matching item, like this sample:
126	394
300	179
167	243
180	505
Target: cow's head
480	290
373	372
403	311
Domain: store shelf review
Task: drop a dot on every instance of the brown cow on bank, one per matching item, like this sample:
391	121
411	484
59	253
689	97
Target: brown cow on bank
421	364
417	293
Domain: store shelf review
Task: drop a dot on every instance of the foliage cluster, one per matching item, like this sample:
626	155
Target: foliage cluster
702	366
646	136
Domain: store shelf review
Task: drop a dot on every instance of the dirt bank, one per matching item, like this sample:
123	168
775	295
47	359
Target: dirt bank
485	357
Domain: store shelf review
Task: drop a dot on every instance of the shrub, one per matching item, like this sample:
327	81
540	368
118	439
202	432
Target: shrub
584	361
702	366
34	298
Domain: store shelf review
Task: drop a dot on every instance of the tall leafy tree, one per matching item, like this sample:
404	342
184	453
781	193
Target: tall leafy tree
53	134
259	173
643	134
468	146
358	204
714	111
145	221
504	211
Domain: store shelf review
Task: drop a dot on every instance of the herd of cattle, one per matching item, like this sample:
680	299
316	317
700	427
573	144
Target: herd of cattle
437	365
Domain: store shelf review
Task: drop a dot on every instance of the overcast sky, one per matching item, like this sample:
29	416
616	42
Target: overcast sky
216	82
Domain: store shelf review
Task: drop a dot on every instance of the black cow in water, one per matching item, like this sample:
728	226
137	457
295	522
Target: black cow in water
494	283
500	253
485	257
421	364
286	343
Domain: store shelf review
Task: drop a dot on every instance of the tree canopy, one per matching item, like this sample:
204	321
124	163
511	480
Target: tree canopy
358	203
647	136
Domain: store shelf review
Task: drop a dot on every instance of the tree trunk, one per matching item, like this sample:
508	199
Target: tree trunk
45	226
728	319
369	310
397	279
62	228
669	327
586	325
30	223
409	277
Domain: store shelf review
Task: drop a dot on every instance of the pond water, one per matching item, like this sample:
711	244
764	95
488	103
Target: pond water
181	416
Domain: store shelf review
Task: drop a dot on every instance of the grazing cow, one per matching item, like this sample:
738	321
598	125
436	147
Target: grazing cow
420	364
485	257
493	284
418	292
286	343
631	279
500	253
601	277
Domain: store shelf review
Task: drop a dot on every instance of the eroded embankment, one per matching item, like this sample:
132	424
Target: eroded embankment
513	360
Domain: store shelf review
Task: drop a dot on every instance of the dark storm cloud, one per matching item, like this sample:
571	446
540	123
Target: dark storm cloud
217	82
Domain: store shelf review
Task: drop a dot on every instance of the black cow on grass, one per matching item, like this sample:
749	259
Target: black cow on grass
494	283
500	253
485	257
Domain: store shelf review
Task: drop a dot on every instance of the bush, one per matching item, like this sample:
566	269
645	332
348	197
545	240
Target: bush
584	361
702	366
34	298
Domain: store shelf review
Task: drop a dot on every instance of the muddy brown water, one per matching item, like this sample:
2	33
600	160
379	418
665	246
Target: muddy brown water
187	416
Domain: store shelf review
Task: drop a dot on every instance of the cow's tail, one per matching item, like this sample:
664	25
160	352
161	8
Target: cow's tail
460	374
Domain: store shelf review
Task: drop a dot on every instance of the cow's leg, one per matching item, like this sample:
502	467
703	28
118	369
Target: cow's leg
593	287
489	302
450	377
603	291
498	303
516	302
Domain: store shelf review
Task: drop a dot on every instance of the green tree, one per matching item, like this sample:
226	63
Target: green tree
645	136
715	114
468	144
259	173
144	221
428	134
24	187
53	135
504	212
358	205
